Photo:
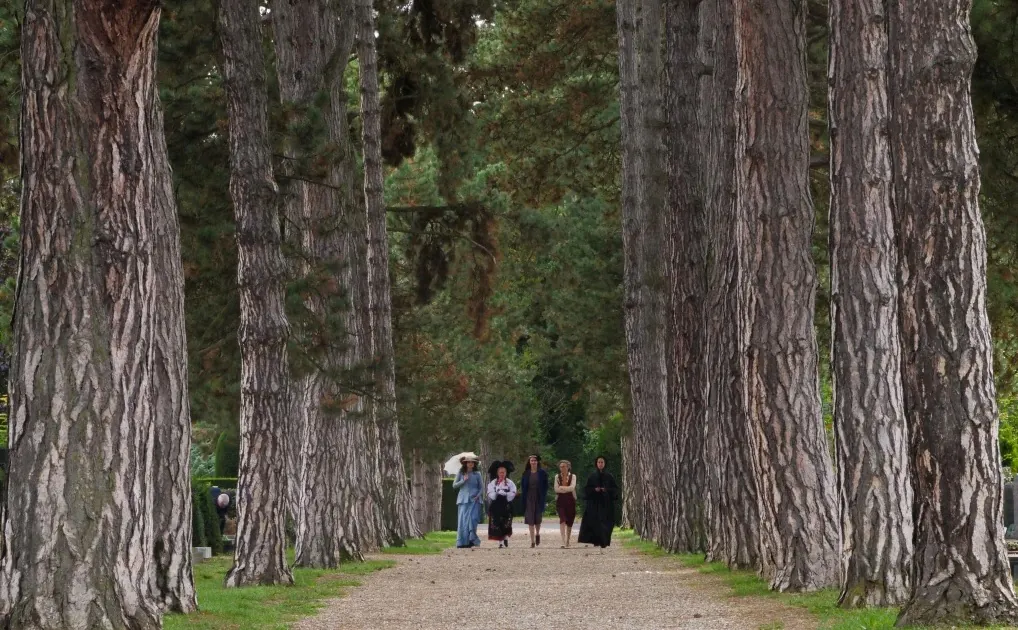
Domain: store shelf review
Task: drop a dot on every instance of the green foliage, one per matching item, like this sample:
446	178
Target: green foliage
199	537
224	483
202	465
204	520
227	458
265	607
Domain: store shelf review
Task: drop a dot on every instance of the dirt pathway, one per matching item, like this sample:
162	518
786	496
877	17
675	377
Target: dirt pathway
547	587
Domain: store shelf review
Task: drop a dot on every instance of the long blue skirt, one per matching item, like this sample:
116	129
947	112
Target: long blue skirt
468	516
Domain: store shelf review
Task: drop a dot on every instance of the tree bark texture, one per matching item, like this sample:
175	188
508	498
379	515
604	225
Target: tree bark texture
427	492
732	509
173	583
631	501
960	572
339	513
869	413
264	329
95	203
644	282
397	506
796	482
685	231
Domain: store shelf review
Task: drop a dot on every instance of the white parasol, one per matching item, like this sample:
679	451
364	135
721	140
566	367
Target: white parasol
454	464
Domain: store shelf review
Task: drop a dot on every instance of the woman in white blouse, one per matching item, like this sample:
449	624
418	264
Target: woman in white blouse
565	501
501	492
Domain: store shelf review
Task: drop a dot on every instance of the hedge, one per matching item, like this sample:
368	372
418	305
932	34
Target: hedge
204	520
227	455
224	483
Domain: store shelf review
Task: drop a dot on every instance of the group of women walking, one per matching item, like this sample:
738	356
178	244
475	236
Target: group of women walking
600	494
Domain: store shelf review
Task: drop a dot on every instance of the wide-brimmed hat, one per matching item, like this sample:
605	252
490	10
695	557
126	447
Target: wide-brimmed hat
469	457
495	465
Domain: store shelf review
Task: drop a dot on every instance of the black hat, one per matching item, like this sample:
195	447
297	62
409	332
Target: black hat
495	465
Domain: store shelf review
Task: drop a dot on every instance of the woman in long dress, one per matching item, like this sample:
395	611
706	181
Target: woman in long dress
501	492
565	501
534	488
468	501
599	515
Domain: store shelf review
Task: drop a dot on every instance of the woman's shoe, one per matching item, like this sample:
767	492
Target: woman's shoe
538	540
532	545
506	541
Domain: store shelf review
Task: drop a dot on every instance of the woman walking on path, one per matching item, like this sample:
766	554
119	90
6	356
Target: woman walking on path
534	487
501	492
565	501
599	516
468	503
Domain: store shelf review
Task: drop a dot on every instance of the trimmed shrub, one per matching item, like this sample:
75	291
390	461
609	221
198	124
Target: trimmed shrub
204	520
224	483
197	516
228	455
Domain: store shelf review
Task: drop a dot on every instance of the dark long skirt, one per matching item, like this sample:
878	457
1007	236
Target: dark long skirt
597	523
500	519
565	505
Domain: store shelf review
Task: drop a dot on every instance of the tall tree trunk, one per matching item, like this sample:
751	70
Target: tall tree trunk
797	499
427	492
732	508
960	572
173	582
397	505
96	194
339	513
686	239
631	498
643	280
869	414
261	496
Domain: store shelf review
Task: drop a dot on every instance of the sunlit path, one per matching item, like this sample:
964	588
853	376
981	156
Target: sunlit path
547	587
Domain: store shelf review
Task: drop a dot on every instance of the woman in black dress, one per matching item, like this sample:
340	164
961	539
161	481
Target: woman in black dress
501	492
599	515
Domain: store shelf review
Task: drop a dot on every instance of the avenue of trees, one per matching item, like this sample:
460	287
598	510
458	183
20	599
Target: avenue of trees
762	255
718	224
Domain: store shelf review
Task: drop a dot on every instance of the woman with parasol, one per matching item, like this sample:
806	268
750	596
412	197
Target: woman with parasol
468	501
501	492
599	515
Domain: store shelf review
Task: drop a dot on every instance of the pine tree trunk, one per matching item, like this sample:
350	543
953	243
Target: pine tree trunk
631	511
173	582
797	499
869	414
261	493
960	572
644	284
96	192
732	510
427	493
339	513
686	237
397	505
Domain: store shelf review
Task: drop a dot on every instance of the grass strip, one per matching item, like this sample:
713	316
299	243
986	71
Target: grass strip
276	607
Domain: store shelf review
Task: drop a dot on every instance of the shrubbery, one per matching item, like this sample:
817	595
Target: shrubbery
204	520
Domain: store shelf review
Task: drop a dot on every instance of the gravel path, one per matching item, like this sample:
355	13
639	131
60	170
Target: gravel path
547	587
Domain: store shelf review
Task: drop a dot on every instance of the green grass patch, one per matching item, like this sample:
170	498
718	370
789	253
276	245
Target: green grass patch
432	543
822	604
265	607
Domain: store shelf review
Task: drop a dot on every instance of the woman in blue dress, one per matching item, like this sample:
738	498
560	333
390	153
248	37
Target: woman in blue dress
468	503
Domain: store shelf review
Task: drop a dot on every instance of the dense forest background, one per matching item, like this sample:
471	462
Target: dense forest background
501	137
